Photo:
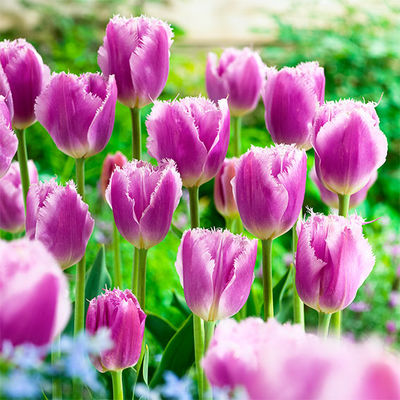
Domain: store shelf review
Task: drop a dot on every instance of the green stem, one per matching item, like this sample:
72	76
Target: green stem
237	125
267	278
118	391
135	271
194	206
228	223
323	323
117	257
298	306
209	327
344	200
23	163
56	383
136	134
141	291
198	334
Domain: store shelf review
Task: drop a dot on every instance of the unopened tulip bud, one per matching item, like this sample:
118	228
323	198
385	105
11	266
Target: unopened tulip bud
110	163
8	141
120	312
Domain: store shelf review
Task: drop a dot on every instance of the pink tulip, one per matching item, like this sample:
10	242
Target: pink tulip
57	216
34	301
136	51
22	78
8	141
120	312
216	269
109	164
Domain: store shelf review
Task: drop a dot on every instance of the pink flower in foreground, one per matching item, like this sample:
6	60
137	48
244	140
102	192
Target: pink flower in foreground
8	141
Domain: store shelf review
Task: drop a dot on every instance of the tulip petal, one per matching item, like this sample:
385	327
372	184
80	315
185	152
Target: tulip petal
216	86
8	146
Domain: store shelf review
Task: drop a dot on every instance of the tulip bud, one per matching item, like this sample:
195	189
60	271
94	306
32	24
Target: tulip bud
34	301
269	189
136	51
333	259
349	146
110	163
57	216
12	213
22	78
120	312
223	192
194	132
238	76
143	199
78	112
331	199
291	98
8	141
216	269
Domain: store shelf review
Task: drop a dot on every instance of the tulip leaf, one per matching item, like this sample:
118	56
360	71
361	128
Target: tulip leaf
176	231
129	378
160	328
279	290
251	309
146	366
178	356
179	303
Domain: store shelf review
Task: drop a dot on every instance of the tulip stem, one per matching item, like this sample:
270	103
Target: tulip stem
344	201
55	356
23	163
136	134
118	391
135	272
267	278
298	306
117	257
323	323
142	253
209	327
194	206
237	127
198	334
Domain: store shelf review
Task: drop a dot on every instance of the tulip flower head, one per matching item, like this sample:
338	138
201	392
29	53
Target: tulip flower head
57	216
78	112
238	76
8	141
22	78
333	259
194	132
216	269
12	213
136	51
291	98
110	163
120	312
34	301
143	199
349	146
269	189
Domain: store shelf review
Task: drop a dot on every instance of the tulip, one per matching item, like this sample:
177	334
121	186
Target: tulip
333	259
120	312
291	98
194	132
78	112
331	199
223	193
216	269
136	51
12	215
22	78
110	163
57	216
8	141
34	301
349	146
238	76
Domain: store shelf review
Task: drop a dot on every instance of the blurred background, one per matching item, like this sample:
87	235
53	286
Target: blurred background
358	44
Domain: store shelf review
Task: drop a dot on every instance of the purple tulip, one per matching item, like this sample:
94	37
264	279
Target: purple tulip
269	189
12	213
109	164
194	132
143	199
136	51
57	216
120	312
291	97
216	269
223	191
349	146
331	199
78	112
238	76
34	301
8	141
22	78
333	259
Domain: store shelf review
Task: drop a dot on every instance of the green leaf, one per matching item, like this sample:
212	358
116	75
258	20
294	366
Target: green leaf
146	366
176	231
129	378
251	309
178	356
179	303
160	328
279	290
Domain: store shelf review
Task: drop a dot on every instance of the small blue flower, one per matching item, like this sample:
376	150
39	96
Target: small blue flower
22	385
176	388
144	392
